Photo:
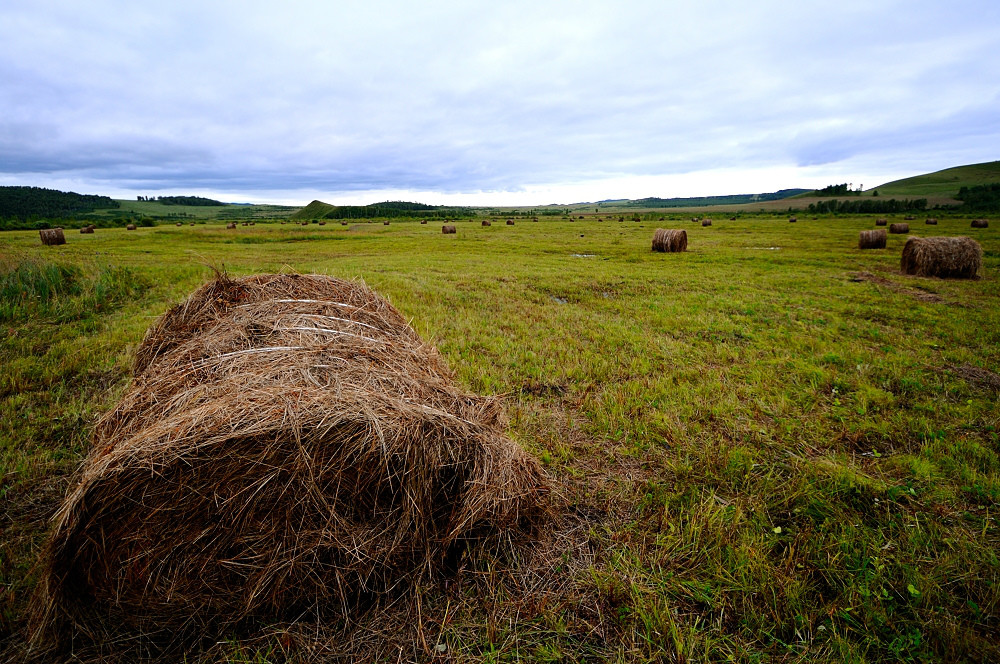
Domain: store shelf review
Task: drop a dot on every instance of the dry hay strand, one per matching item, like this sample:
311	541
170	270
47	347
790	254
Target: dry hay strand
944	257
510	222
706	222
881	222
980	223
896	229
288	447
52	236
231	224
87	229
670	240
448	229
872	239
130	227
486	222
931	222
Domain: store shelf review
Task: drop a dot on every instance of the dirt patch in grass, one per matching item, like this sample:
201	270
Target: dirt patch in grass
977	376
916	294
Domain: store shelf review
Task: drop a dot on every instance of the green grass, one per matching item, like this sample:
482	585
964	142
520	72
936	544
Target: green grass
764	457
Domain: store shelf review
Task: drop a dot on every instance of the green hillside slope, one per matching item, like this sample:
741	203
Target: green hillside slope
942	183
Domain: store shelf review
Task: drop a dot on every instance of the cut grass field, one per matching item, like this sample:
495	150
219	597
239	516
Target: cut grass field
773	446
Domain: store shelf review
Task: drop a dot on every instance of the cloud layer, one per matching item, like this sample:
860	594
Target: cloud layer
501	102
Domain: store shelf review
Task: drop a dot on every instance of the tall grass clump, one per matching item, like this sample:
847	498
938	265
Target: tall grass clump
64	292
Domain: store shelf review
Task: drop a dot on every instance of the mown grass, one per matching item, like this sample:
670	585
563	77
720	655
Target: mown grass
767	446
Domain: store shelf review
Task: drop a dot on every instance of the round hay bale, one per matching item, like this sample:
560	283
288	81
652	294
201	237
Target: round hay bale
486	222
52	236
706	222
792	220
448	229
670	240
510	222
896	229
231	224
385	223
872	239
288	445
130	227
87	229
536	219
909	217
944	257
931	222
881	222
343	223
178	224
732	219
980	223
322	223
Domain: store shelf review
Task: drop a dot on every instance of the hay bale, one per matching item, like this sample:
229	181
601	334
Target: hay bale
945	257
980	223
881	222
385	223
732	219
510	222
322	223
930	222
536	219
909	217
872	239
87	229
231	224
670	240
343	222
288	446
52	236
130	227
486	222
448	229
792	220
178	224
706	222
896	229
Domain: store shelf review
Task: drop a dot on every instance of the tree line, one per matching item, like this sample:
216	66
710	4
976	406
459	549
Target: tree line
868	206
27	203
981	197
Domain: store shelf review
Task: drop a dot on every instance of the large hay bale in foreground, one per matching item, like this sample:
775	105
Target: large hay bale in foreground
448	229
670	240
980	223
896	229
872	239
52	236
288	446
945	257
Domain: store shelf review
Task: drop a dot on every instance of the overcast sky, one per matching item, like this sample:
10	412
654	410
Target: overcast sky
491	102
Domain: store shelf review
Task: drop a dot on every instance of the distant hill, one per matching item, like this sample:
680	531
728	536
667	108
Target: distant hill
24	203
315	210
944	183
699	201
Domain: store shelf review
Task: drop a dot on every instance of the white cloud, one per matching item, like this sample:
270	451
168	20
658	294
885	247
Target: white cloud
492	102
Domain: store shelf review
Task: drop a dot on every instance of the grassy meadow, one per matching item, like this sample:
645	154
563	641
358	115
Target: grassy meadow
772	447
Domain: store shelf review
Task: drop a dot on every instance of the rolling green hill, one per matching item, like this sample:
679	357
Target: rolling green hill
315	210
941	183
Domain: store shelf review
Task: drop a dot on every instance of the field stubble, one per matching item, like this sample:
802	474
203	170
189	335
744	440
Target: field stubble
771	446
